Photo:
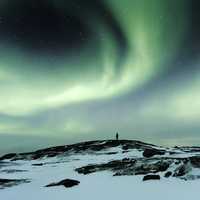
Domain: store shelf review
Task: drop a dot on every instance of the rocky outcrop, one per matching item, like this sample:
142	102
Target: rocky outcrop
146	168
127	167
83	148
115	166
66	183
151	177
183	169
166	166
145	159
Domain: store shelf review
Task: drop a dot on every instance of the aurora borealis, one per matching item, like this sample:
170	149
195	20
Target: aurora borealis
73	70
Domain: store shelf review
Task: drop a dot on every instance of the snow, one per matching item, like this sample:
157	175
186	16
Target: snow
96	186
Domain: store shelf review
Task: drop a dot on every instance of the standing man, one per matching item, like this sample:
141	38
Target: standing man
117	136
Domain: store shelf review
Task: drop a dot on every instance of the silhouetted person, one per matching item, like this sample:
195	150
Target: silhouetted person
117	136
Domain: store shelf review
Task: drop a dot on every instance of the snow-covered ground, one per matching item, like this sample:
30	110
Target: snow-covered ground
95	186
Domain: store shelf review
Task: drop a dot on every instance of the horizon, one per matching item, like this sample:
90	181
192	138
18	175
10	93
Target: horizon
50	142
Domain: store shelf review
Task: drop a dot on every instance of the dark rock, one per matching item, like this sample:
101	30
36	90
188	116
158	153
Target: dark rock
8	156
36	156
151	177
177	162
4	183
111	153
117	174
126	159
163	165
181	170
127	167
115	165
125	151
147	168
125	147
195	161
38	164
172	153
66	183
191	177
11	171
168	174
88	169
152	152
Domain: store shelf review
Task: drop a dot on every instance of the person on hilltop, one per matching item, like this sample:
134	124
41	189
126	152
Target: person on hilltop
117	136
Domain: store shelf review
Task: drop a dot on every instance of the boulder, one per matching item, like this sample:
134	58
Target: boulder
168	174
38	164
152	152
151	177
195	161
66	183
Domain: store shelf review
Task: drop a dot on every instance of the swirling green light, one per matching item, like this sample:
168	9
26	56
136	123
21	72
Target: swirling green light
153	37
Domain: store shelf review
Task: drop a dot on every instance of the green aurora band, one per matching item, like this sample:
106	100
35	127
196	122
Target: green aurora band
131	65
39	83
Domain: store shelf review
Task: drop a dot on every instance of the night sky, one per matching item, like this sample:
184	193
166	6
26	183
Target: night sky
73	70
